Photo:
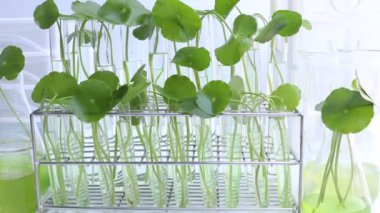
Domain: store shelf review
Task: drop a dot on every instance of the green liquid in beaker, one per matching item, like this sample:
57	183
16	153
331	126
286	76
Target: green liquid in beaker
331	204
18	195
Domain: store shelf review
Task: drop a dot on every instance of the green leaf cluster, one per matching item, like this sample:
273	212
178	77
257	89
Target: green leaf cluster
93	98
180	94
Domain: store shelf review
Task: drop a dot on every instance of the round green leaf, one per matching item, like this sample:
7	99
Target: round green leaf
146	29
177	21
346	111
294	22
126	12
91	100
197	58
108	77
115	11
46	14
286	97
179	87
224	7
214	97
245	26
55	85
271	29
12	62
88	9
231	52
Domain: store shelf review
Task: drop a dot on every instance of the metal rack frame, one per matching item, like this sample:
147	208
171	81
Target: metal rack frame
194	188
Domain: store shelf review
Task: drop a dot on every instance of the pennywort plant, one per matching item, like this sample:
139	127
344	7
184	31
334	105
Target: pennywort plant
344	112
12	62
92	91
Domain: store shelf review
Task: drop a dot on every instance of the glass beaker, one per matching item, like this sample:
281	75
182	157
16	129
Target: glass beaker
17	181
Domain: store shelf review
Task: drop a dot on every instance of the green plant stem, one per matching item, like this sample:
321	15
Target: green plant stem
2	93
260	157
257	171
110	42
273	59
187	120
263	19
126	49
176	66
101	155
74	71
336	138
127	44
82	169
181	173
285	157
59	169
334	173
156	39
157	171
99	37
61	46
196	74
203	139
352	169
246	76
253	64
151	69
130	170
231	179
80	41
221	20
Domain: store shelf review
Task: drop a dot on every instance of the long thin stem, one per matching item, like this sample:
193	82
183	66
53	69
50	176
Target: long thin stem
273	59
335	139
2	93
334	173
80	40
61	50
177	66
352	169
110	42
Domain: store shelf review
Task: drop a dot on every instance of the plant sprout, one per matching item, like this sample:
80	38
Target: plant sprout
12	62
344	112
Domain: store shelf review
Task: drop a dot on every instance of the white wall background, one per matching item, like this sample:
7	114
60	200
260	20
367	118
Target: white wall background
345	38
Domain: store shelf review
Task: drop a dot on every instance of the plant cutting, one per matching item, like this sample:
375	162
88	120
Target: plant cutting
342	186
16	173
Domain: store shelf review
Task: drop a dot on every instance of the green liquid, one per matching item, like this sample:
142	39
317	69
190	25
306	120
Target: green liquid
43	174
18	195
331	204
